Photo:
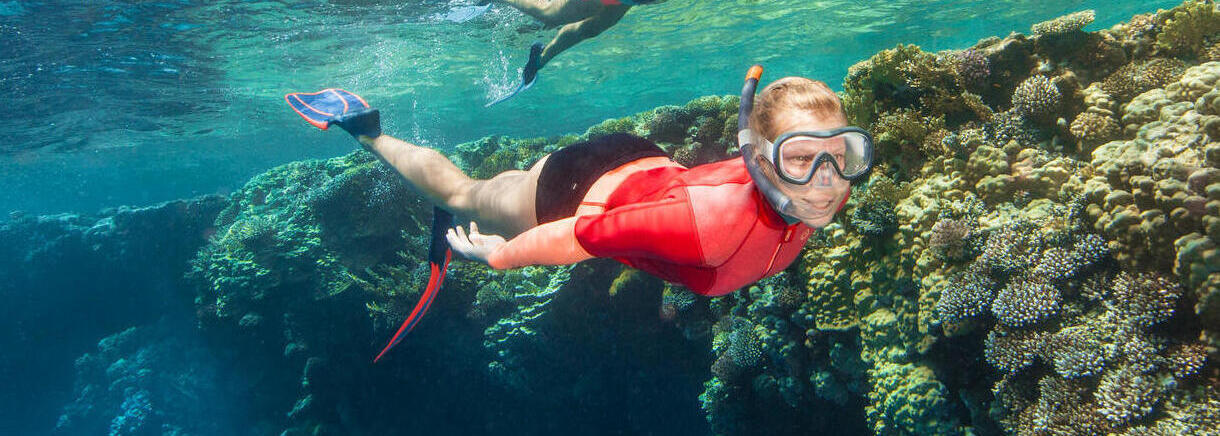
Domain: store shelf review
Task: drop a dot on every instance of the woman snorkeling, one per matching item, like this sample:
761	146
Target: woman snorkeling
712	228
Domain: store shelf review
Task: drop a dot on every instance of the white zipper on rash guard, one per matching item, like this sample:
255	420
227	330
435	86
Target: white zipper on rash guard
787	236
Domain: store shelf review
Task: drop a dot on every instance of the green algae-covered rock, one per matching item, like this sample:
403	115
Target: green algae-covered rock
903	397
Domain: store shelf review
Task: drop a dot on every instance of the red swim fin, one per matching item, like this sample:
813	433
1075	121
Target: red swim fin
439	255
425	301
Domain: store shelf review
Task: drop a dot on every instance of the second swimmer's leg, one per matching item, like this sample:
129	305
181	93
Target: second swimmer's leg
555	13
574	33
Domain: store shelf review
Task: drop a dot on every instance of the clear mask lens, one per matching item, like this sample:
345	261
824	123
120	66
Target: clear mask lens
802	157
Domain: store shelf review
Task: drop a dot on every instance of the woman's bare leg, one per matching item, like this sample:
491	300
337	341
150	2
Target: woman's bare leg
554	13
502	205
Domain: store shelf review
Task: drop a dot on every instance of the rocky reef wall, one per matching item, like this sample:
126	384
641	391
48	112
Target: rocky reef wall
68	281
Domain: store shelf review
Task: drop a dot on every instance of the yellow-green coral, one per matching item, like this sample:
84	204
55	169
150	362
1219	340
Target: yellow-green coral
1187	28
907	78
829	303
900	136
903	398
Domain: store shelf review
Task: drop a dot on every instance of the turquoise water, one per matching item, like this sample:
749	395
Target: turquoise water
138	102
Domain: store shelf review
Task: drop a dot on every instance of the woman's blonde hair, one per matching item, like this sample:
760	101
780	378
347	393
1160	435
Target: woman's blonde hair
793	93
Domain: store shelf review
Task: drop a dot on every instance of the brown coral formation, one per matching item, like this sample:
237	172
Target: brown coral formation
1089	257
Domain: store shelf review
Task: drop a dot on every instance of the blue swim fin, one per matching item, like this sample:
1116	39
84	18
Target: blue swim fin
336	106
529	74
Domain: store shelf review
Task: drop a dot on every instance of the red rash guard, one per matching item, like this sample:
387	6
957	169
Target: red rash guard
706	228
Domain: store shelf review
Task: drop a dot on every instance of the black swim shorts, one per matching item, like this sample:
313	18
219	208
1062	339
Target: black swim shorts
569	173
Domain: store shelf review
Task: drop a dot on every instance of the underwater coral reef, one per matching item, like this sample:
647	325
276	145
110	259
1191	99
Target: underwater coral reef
1035	252
1052	269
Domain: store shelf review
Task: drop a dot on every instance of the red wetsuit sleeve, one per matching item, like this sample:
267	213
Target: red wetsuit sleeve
662	230
553	243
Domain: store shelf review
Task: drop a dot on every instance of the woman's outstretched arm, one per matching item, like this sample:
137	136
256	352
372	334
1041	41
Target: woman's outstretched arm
553	243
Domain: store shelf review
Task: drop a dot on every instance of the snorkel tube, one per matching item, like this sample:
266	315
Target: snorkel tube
745	142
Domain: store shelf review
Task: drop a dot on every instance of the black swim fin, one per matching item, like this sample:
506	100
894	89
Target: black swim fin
529	74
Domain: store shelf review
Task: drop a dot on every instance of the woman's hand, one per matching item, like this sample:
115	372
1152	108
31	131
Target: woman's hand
475	246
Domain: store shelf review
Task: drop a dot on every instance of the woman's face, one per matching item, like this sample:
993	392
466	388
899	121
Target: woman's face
815	203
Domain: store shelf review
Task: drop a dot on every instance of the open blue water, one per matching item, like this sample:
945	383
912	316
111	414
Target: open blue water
125	102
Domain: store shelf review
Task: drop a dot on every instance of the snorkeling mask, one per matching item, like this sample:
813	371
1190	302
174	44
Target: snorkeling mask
802	159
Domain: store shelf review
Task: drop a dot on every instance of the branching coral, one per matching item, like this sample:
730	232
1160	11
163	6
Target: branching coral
745	348
951	238
492	299
726	370
682	299
1061	263
1053	265
1185	360
668	124
1037	98
1011	126
968	295
1125	394
1008	249
1025	301
1012	350
1144	299
902	132
742	348
906	77
1077	352
1063	409
972	67
1090	250
875	219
